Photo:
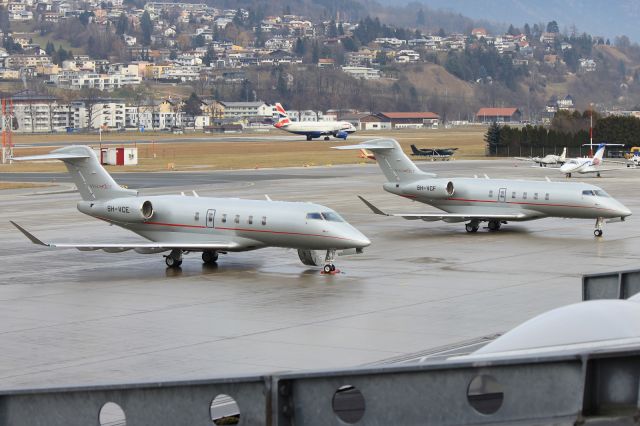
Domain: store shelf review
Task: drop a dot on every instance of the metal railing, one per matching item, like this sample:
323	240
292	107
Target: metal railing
563	389
611	285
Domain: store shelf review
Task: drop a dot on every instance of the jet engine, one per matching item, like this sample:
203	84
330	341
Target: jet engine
342	135
432	189
311	257
131	210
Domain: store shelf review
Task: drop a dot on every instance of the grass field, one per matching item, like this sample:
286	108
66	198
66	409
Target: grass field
21	185
214	155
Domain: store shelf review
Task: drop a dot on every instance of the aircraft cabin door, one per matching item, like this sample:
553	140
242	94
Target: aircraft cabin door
211	214
502	195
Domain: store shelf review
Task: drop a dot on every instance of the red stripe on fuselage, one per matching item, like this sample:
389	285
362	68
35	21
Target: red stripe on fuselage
527	203
246	230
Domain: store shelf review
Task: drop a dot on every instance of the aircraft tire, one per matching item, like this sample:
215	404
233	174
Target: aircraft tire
209	256
470	228
171	262
327	138
597	233
329	268
494	225
308	137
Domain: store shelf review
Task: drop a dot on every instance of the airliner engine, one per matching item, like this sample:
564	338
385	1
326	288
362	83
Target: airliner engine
130	210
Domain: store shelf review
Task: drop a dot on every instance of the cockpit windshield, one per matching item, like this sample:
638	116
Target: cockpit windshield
332	217
317	216
592	192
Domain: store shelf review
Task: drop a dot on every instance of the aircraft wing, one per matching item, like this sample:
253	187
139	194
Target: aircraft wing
449	217
143	248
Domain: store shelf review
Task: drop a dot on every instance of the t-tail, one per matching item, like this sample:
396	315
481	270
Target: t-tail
395	164
91	179
283	117
563	156
597	158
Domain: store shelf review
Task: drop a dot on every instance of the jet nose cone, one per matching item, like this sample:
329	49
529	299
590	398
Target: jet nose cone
359	239
624	211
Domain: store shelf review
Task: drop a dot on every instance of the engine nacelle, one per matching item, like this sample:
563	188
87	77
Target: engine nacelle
342	135
130	210
431	189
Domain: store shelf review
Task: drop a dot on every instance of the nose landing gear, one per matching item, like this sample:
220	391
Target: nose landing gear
329	267
599	224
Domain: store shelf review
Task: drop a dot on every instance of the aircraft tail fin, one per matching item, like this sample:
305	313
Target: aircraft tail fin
91	179
597	157
415	150
395	164
283	117
563	156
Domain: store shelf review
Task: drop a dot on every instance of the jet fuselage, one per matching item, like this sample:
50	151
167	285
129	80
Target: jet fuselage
251	224
531	199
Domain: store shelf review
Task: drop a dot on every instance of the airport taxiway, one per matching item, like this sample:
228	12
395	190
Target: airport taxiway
70	317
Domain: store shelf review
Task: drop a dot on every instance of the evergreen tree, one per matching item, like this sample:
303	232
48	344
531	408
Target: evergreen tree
492	138
122	25
193	105
299	48
147	28
50	49
552	27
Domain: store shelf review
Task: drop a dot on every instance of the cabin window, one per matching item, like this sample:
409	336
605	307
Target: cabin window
237	219
264	220
250	220
513	194
491	194
535	195
197	216
224	218
546	196
317	216
524	195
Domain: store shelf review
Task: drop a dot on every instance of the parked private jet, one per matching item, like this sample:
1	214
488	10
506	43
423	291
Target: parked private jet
179	224
495	201
314	129
585	164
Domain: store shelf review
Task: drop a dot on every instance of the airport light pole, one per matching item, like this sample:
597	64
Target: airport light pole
591	129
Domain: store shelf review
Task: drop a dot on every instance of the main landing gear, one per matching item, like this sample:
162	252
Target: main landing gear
567	175
309	137
174	259
209	257
599	224
474	225
494	225
326	138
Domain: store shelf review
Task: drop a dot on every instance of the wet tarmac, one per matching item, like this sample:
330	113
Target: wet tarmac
70	317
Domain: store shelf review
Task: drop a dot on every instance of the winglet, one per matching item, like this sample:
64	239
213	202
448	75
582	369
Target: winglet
29	235
372	207
267	197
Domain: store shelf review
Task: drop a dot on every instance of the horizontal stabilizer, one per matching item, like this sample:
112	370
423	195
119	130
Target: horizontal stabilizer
373	145
51	157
